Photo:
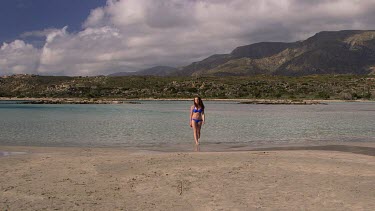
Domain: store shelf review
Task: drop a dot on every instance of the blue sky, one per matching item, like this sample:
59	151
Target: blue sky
99	37
19	16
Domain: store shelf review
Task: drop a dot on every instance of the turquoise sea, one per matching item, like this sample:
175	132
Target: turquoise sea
154	123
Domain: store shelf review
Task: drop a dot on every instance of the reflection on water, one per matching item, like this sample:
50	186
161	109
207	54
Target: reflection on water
167	122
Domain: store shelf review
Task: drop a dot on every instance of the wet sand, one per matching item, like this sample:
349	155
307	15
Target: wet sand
332	177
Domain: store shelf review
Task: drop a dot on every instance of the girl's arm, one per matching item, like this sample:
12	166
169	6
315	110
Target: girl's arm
191	115
203	117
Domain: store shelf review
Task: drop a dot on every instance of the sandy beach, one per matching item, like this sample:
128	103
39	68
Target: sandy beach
331	178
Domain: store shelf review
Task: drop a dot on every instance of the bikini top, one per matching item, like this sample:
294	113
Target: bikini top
195	110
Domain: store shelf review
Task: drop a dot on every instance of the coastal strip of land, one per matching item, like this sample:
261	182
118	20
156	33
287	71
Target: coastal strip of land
76	178
139	100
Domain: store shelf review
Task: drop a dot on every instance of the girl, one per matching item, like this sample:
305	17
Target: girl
197	118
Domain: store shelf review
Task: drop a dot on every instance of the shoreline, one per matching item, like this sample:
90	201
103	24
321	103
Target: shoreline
366	148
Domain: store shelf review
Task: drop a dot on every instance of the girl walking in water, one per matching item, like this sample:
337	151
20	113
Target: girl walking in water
197	118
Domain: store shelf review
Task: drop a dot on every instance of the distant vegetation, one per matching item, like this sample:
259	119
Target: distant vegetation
344	87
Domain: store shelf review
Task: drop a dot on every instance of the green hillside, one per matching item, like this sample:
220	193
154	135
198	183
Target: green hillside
346	87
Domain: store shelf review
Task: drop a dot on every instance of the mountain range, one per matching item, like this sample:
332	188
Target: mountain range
327	52
156	71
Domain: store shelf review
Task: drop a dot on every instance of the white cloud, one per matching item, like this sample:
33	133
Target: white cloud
126	35
18	57
91	51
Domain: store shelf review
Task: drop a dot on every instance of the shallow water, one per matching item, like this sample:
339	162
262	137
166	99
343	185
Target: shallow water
154	123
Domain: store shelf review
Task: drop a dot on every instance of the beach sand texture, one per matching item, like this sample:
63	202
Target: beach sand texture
122	179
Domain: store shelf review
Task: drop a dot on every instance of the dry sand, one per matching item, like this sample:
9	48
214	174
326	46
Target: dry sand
125	179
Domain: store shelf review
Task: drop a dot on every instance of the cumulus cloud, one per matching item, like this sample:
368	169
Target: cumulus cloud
90	52
125	35
18	57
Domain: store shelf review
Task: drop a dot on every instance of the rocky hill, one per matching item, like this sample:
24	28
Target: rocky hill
327	52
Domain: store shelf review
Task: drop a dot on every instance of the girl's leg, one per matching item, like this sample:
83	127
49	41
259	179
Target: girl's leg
195	131
197	148
199	126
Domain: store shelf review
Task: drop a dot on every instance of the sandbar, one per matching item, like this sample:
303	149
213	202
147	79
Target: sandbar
335	177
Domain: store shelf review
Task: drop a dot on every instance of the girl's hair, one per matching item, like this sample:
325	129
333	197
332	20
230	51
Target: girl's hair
200	103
